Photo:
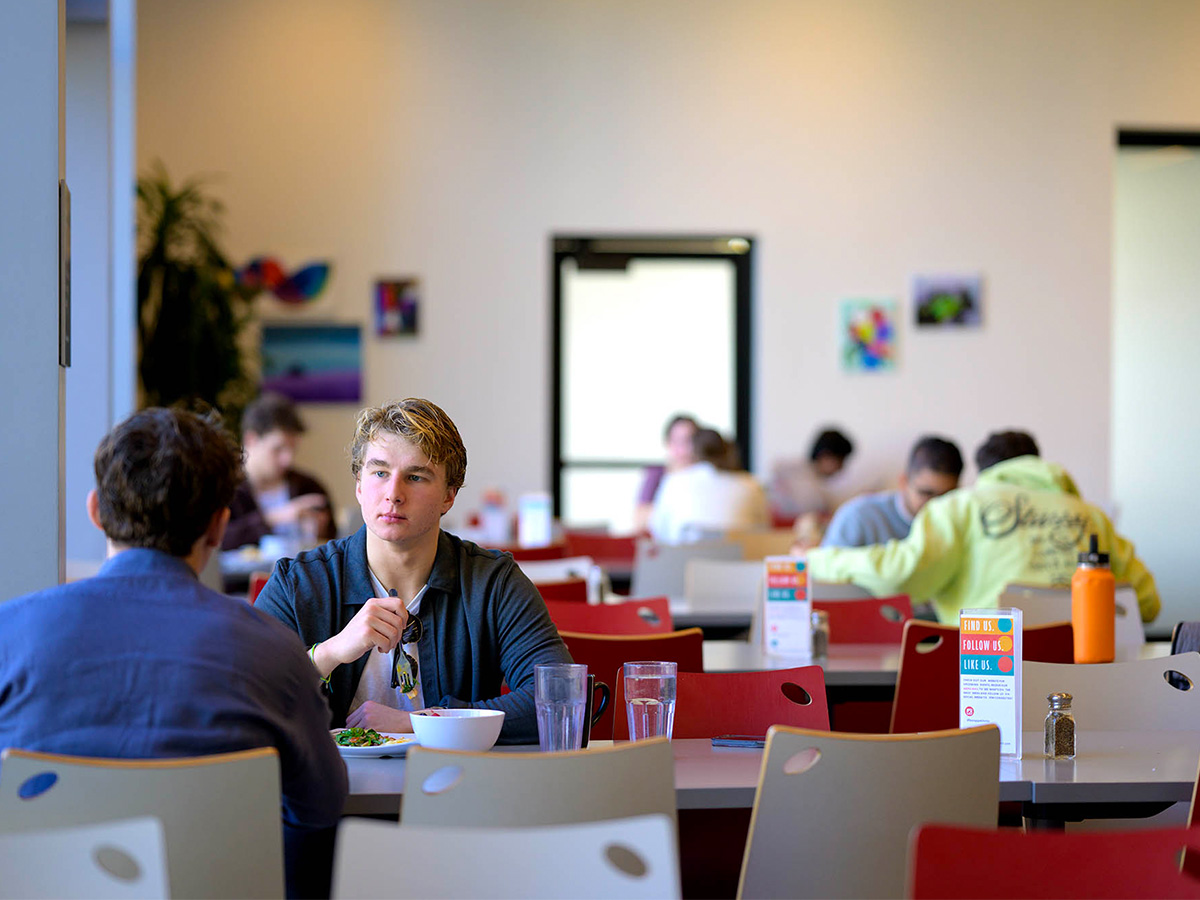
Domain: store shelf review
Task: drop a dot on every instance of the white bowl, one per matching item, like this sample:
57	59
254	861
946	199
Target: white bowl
458	729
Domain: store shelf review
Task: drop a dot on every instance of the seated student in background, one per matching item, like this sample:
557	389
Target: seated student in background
142	661
934	466
401	615
800	487
275	498
677	438
704	498
1022	521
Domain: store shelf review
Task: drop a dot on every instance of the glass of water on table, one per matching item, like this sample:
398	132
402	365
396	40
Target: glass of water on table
650	699
560	694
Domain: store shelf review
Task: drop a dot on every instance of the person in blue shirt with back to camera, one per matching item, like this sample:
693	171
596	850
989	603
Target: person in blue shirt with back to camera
934	467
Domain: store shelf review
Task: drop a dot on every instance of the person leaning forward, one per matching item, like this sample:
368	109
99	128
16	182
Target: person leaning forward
402	614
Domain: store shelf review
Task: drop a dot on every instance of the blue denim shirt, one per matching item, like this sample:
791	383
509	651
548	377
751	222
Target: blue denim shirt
143	661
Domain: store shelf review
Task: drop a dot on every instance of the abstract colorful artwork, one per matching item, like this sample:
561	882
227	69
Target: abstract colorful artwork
396	303
313	363
265	273
948	300
868	335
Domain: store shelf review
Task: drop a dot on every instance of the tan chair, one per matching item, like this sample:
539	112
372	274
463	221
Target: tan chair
113	861
833	812
220	814
1042	605
1124	696
628	858
499	790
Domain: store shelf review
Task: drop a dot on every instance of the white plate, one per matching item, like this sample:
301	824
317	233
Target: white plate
382	749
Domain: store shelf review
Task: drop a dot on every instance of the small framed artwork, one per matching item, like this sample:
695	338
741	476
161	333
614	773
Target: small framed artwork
948	300
868	329
313	363
396	305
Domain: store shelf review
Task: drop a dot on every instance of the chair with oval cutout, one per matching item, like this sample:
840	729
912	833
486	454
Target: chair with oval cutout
879	620
445	787
926	696
649	616
604	654
223	807
869	792
711	704
124	859
1139	695
627	857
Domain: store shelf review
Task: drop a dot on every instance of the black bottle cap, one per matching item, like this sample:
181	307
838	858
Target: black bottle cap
1093	556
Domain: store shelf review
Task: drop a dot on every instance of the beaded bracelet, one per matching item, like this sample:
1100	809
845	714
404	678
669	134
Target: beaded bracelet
312	655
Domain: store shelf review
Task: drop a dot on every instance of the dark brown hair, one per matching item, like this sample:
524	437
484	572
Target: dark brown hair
162	474
272	412
1004	445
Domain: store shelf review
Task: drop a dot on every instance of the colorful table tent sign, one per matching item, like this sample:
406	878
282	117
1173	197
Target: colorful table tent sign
535	520
787	611
989	673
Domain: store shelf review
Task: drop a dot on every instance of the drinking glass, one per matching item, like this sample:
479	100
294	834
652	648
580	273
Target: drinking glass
650	699
560	693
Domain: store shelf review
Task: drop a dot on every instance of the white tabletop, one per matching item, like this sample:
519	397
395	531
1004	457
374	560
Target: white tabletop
1111	768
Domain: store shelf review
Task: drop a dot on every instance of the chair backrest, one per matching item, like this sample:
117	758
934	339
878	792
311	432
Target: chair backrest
632	857
501	790
607	550
723	584
708	705
837	590
258	581
866	793
536	554
1124	696
123	860
951	861
926	697
649	616
1039	605
758	544
658	569
605	654
879	620
213	808
569	590
563	569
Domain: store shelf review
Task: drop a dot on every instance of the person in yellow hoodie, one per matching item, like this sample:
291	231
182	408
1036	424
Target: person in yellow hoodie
1022	521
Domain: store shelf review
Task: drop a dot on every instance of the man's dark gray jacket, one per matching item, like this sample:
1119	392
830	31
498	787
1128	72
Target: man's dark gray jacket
484	624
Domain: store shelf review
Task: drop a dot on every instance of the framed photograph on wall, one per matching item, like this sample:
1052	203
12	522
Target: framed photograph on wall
313	363
397	301
948	300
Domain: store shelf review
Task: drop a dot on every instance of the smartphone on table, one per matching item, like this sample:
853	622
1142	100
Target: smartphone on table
753	741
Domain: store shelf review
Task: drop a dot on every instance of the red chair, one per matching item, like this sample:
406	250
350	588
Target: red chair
948	861
608	551
258	581
878	620
926	696
605	654
710	704
650	616
570	590
531	554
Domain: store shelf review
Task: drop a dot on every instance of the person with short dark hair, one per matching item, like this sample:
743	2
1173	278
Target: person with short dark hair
402	615
142	661
934	467
275	497
1023	521
799	487
707	497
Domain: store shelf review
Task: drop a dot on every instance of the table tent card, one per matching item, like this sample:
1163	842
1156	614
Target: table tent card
989	680
535	520
787	611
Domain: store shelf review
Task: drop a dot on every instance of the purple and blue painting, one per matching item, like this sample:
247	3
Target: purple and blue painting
313	363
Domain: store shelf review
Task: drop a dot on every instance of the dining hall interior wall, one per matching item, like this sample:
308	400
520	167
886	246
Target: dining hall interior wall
860	143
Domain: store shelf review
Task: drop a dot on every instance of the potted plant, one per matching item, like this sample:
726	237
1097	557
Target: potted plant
191	310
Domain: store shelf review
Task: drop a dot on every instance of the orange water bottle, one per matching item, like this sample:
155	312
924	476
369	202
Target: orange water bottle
1093	606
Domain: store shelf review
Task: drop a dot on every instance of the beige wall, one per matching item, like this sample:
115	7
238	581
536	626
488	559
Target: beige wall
861	142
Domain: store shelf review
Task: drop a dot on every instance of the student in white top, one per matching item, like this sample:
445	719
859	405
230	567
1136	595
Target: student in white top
705	497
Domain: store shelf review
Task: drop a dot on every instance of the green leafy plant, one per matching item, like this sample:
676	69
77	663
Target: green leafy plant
191	311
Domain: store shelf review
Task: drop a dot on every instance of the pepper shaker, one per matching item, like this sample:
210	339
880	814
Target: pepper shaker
820	634
1060	727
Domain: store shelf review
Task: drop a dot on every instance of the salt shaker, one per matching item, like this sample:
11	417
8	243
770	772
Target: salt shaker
1060	728
820	634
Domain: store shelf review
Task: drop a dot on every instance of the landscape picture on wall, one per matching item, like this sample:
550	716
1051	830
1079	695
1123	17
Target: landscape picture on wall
946	300
868	329
313	363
